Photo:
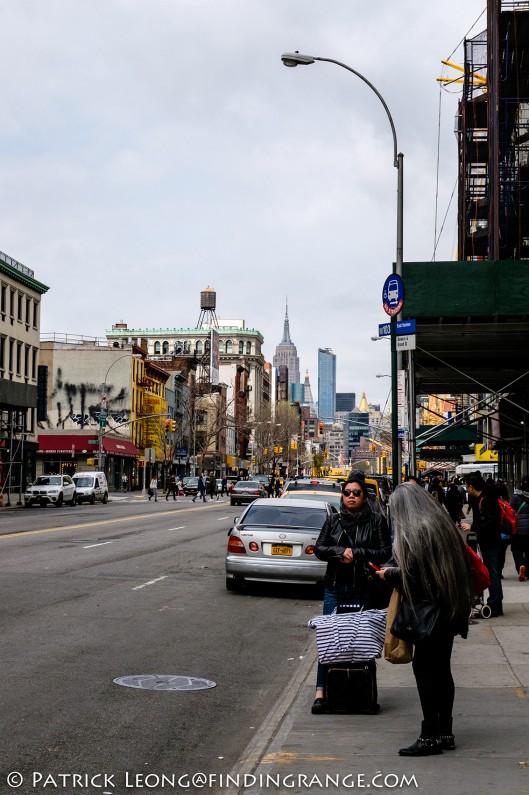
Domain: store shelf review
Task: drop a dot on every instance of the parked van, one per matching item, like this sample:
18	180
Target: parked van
485	469
91	486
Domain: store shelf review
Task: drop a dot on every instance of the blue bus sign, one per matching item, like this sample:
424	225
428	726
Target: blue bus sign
393	295
401	327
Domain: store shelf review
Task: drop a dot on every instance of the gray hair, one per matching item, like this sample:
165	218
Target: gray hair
427	541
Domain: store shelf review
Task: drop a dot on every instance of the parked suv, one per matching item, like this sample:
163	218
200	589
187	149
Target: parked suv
91	486
54	489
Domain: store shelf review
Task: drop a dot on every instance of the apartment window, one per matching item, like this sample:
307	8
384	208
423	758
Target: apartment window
221	346
229	346
165	347
2	355
19	358
156	347
198	347
11	356
3	299
34	363
241	347
35	314
20	302
28	310
26	361
12	305
248	347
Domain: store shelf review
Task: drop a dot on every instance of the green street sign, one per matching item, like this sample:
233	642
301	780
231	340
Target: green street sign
102	420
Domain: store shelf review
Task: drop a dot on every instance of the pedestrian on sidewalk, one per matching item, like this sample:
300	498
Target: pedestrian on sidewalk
486	524
520	539
212	484
348	540
201	490
432	566
153	488
171	488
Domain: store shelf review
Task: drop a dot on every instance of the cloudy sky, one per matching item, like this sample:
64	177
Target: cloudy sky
150	148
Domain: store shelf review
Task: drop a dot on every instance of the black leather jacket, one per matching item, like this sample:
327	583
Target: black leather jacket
369	540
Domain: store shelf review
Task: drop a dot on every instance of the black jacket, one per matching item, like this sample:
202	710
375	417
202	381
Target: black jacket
487	522
453	626
369	540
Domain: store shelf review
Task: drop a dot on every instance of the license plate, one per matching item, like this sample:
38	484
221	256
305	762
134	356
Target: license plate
282	549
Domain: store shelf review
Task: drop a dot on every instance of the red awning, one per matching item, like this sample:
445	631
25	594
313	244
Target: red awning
68	443
121	447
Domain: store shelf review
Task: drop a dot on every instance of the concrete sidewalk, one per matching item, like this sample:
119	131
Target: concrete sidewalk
491	723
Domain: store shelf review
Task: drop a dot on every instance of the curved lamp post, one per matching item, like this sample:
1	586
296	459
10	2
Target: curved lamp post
292	59
104	405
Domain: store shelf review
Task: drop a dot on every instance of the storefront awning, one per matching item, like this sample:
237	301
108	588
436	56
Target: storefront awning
85	443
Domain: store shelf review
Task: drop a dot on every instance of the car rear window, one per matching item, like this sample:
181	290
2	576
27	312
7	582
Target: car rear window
247	484
308	485
282	516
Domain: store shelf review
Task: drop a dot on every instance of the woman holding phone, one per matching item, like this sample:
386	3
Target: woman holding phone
348	541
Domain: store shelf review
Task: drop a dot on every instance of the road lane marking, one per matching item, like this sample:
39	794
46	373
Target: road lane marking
93	524
100	544
182	527
221	518
151	582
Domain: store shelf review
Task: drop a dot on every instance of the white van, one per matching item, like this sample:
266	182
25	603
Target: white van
485	469
91	486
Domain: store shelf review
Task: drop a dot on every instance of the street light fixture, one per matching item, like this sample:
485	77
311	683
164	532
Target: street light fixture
293	59
104	405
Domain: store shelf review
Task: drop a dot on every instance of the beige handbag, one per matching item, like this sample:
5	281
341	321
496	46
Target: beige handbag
396	651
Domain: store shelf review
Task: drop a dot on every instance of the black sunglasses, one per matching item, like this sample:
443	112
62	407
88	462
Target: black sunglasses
354	492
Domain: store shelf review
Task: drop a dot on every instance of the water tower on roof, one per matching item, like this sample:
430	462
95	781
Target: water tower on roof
208	304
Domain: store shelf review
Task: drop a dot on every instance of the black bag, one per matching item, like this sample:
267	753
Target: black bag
379	591
417	621
352	687
150	492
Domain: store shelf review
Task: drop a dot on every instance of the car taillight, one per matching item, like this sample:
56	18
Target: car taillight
253	546
257	492
309	550
236	546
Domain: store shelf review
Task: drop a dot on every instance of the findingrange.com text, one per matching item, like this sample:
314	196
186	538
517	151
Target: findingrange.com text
109	784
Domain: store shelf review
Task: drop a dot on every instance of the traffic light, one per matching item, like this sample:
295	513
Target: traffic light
172	427
167	426
322	428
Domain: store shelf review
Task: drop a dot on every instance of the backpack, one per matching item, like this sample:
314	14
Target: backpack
508	517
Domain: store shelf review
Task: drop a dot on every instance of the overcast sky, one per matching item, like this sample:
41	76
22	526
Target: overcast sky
150	148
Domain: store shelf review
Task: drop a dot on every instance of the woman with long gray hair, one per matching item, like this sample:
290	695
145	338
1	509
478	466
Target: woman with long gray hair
432	565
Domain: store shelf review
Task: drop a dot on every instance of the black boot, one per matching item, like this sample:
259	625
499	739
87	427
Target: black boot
446	738
426	745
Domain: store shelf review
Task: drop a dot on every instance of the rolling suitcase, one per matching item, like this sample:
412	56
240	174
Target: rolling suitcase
352	687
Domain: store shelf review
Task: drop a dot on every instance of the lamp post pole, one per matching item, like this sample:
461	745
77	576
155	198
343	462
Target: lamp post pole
292	59
103	409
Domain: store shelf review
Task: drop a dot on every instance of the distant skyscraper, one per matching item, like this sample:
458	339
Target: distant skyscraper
345	401
307	394
287	354
326	384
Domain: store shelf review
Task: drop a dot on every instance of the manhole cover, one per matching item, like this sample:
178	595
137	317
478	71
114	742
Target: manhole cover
164	682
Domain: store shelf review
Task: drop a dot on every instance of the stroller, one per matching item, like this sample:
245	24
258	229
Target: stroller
479	606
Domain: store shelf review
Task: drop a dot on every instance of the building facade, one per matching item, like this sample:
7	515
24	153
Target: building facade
326	384
286	354
20	297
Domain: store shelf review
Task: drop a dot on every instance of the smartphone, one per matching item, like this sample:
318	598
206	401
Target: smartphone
373	566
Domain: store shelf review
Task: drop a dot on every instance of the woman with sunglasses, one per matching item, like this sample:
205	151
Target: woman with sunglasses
348	541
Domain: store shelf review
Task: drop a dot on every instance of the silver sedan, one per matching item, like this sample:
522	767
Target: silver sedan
273	541
246	491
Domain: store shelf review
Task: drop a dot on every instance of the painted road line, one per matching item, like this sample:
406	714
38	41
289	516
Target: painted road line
221	518
182	527
151	582
94	524
100	544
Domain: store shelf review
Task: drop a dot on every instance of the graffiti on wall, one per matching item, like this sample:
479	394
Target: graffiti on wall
78	406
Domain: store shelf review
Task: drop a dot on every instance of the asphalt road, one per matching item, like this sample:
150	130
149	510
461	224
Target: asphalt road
93	593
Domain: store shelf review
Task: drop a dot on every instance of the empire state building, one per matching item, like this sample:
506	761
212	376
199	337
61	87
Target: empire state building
287	354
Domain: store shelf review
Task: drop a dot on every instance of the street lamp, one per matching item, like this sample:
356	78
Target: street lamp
103	405
292	59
